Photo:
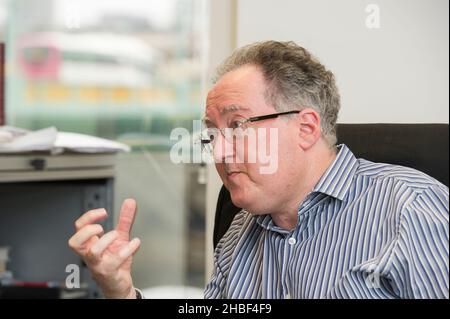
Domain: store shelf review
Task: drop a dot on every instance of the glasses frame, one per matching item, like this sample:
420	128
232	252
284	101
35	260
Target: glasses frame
205	142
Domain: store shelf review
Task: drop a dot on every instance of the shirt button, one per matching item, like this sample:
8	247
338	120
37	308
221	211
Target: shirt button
292	241
287	296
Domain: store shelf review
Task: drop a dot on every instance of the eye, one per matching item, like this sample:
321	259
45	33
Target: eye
208	135
236	123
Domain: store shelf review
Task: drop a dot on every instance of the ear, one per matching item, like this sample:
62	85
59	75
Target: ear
308	128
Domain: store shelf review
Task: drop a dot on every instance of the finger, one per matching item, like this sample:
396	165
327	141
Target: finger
90	217
126	252
126	218
84	234
96	250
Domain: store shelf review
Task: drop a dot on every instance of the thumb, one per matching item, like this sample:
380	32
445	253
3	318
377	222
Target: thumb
126	218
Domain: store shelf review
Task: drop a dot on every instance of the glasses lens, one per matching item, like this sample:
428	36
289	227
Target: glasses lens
208	137
207	149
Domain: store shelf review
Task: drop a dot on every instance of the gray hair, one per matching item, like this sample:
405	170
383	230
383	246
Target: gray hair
295	80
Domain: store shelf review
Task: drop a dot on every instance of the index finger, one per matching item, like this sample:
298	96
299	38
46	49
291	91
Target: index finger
90	217
126	218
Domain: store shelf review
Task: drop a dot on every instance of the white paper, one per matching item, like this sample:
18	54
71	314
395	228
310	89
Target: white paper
27	141
16	140
88	144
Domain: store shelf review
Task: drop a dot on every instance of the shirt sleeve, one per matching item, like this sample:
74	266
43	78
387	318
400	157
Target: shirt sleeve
214	289
139	294
217	286
420	259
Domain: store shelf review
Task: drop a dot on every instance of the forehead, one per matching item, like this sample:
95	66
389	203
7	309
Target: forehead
239	89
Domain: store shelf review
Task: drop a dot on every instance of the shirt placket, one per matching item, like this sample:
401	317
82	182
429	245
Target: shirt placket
290	241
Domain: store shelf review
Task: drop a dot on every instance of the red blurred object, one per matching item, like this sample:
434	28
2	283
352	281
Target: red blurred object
2	82
39	57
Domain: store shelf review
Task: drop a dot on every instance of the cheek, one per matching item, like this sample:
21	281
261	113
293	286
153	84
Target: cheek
221	170
252	173
280	162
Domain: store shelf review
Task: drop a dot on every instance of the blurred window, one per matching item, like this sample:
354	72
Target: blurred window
128	70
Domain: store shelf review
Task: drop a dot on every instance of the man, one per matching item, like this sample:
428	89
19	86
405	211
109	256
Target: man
323	224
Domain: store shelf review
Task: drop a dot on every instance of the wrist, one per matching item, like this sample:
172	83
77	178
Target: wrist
132	294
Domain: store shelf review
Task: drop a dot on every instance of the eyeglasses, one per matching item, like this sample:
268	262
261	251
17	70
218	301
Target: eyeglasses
238	128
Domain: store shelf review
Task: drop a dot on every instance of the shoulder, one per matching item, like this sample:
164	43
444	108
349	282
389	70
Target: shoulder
409	194
228	242
399	175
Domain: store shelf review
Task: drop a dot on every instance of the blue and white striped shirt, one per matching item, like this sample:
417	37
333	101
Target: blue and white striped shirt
367	230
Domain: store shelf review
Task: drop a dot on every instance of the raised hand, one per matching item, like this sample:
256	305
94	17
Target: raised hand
108	256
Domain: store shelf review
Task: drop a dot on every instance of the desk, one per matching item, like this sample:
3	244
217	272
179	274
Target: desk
41	195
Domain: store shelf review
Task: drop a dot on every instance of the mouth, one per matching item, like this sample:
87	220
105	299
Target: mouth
231	174
234	176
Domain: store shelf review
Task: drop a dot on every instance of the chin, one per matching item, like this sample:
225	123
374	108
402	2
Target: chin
239	197
246	200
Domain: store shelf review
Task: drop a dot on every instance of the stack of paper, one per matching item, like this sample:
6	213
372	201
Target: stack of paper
87	144
16	140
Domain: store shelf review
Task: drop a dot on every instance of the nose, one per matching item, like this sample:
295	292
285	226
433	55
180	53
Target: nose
223	150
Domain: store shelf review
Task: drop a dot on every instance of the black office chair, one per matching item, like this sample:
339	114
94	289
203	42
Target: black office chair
420	146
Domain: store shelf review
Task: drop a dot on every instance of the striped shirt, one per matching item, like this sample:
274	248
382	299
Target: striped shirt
367	230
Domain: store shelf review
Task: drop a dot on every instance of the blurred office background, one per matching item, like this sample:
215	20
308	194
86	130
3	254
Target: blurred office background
130	71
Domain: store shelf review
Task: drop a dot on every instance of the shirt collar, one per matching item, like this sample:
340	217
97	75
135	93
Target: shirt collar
266	222
338	177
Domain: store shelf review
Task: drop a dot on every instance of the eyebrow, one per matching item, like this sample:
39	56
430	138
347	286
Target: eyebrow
232	108
225	110
208	122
